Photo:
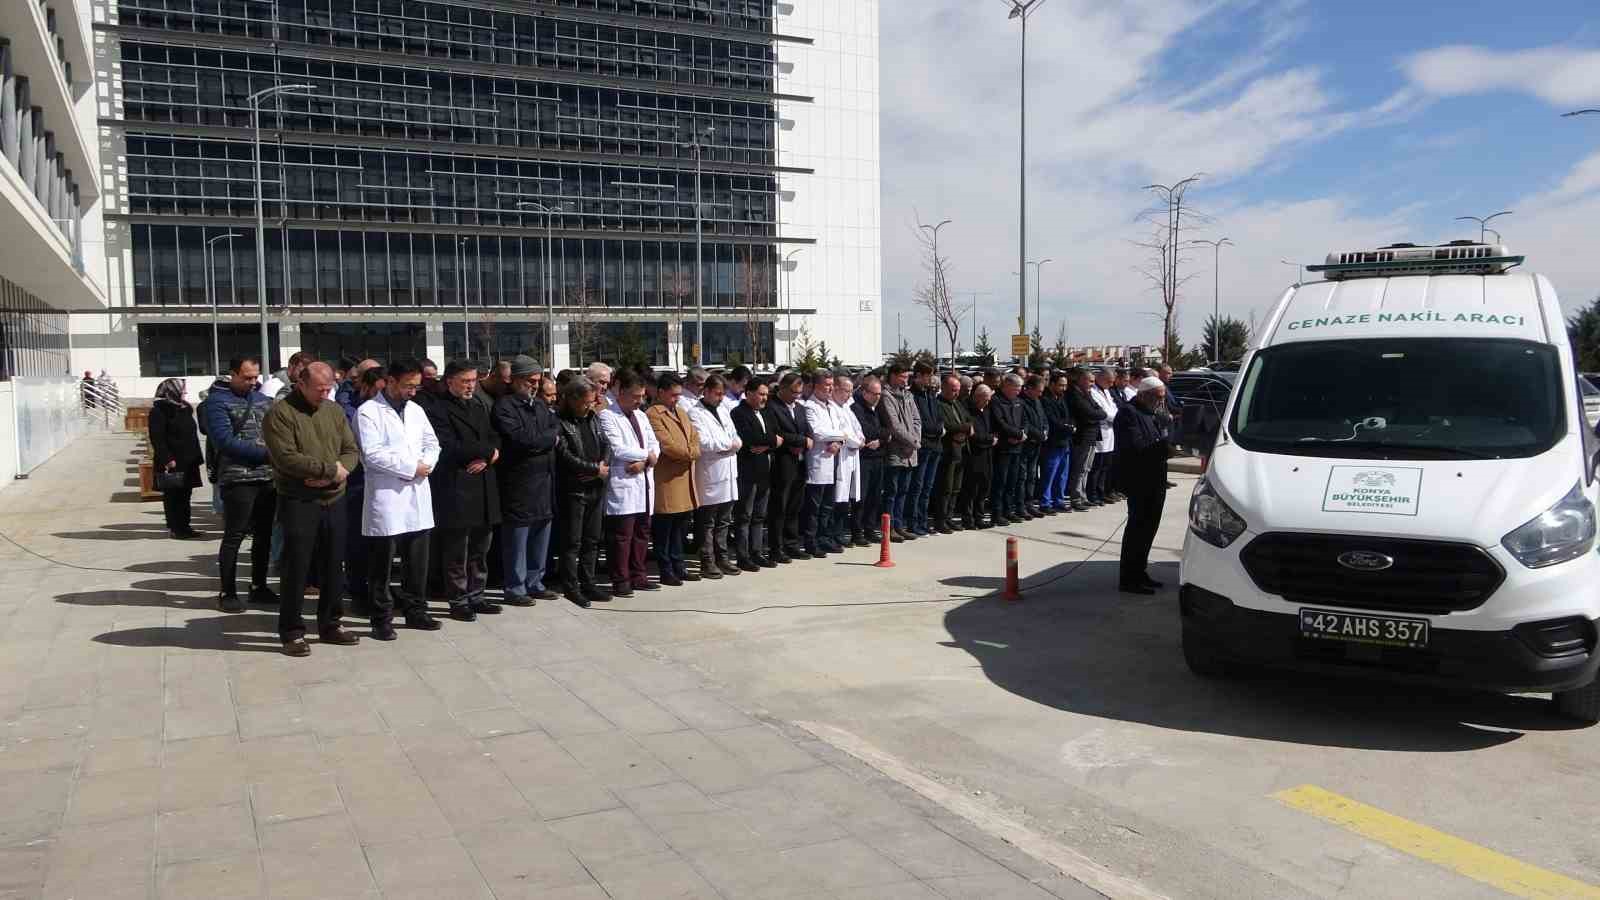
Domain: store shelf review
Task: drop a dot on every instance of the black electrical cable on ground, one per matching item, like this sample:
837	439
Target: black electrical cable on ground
66	565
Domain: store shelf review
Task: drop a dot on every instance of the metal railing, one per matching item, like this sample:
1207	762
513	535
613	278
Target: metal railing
102	405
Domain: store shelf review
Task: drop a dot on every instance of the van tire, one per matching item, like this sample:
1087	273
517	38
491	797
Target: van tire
1202	657
1582	704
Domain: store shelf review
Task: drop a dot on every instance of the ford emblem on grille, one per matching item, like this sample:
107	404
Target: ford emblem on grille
1365	561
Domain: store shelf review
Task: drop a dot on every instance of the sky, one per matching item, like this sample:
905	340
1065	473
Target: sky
1318	126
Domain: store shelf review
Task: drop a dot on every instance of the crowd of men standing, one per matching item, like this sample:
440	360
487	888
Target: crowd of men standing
341	478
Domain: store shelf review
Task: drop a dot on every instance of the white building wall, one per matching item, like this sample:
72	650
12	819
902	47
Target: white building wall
837	136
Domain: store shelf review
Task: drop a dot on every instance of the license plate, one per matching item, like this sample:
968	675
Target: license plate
1360	628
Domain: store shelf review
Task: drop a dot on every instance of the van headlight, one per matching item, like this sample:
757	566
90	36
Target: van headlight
1212	520
1562	532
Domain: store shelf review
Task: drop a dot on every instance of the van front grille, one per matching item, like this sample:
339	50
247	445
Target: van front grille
1422	577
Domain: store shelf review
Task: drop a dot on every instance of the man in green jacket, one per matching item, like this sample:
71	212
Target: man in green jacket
312	451
953	463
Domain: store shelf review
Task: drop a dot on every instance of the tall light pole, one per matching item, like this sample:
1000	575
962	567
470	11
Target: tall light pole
938	284
255	101
1497	238
1216	292
549	297
694	144
787	267
1022	10
216	356
1483	222
461	285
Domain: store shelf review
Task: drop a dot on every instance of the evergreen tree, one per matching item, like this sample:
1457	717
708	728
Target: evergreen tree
1227	341
1583	330
983	349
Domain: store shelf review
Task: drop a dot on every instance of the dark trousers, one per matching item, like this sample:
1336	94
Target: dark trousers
750	519
896	487
1007	477
412	548
952	472
668	531
1028	483
974	489
177	508
712	523
869	509
1144	518
1100	476
783	513
358	548
924	487
630	542
580	533
466	562
246	509
310	527
1079	467
816	512
844	517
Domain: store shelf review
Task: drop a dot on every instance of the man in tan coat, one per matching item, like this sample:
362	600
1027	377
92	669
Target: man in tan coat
675	479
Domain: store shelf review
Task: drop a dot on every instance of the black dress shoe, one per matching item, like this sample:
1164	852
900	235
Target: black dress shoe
544	595
383	630
578	599
296	647
518	600
596	595
782	559
710	572
624	591
689	576
263	596
999	521
486	608
671	581
1135	589
1152	583
339	636
748	566
799	553
421	621
896	536
766	562
462	613
230	603
727	567
646	586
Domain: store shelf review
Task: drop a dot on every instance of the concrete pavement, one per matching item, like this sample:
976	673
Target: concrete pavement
151	746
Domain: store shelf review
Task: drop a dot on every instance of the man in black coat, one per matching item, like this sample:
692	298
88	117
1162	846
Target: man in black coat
788	472
1054	462
759	446
1038	430
466	497
528	433
1142	463
1086	418
1006	418
874	423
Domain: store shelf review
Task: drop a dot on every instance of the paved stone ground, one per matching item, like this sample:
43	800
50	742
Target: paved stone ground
151	746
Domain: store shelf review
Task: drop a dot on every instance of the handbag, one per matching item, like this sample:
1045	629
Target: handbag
176	480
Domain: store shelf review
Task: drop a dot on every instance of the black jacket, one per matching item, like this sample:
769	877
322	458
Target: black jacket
1058	415
577	467
788	461
1141	450
980	447
1006	418
927	402
1086	416
461	499
755	429
174	437
528	435
874	427
1034	421
956	417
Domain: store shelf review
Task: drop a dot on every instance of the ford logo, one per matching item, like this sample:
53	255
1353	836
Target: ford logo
1365	561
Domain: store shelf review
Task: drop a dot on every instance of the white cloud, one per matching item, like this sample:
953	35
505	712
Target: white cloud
1558	75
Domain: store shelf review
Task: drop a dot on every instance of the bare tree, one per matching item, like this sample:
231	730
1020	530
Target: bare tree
580	325
1168	218
677	288
757	291
934	294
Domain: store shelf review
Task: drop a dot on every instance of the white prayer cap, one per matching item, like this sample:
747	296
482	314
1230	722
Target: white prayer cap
1150	384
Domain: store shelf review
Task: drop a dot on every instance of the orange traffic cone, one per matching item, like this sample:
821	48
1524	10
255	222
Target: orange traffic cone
884	562
1013	591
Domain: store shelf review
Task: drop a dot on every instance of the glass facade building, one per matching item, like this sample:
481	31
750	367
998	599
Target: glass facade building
506	163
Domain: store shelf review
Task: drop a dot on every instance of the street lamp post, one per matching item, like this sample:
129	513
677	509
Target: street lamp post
1483	222
1216	292
1022	10
549	298
255	101
788	299
938	285
461	285
216	360
1299	271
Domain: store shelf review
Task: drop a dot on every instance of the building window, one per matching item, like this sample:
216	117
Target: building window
183	350
618	343
382	341
493	341
729	343
33	336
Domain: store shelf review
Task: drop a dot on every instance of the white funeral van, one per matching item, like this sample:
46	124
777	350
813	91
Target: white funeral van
1404	485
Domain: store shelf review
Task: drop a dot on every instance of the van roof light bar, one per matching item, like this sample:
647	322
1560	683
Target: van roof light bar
1396	260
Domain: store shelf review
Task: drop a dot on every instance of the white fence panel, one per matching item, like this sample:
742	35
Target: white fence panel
49	416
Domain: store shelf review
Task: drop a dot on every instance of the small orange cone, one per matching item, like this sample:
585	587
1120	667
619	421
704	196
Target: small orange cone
1013	591
884	562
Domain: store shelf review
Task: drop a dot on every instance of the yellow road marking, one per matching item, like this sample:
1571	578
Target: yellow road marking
1478	863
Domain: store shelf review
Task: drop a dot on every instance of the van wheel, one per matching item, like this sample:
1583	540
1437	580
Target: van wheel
1202	657
1582	704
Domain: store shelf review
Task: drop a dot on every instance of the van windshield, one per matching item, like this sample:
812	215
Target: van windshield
1417	398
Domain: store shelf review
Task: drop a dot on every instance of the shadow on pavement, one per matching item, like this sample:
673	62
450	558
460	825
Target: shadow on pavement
199	565
1078	645
247	632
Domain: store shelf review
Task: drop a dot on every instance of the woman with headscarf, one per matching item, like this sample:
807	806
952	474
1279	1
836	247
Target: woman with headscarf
175	450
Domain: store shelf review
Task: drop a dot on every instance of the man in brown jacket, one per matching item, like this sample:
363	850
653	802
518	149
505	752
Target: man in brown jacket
676	491
311	450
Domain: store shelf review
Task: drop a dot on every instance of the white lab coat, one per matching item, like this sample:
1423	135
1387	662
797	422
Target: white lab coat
626	494
716	472
1108	435
826	428
729	401
395	501
847	480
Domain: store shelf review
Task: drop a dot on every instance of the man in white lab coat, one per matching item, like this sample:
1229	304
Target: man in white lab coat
847	478
630	490
398	451
716	478
827	432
